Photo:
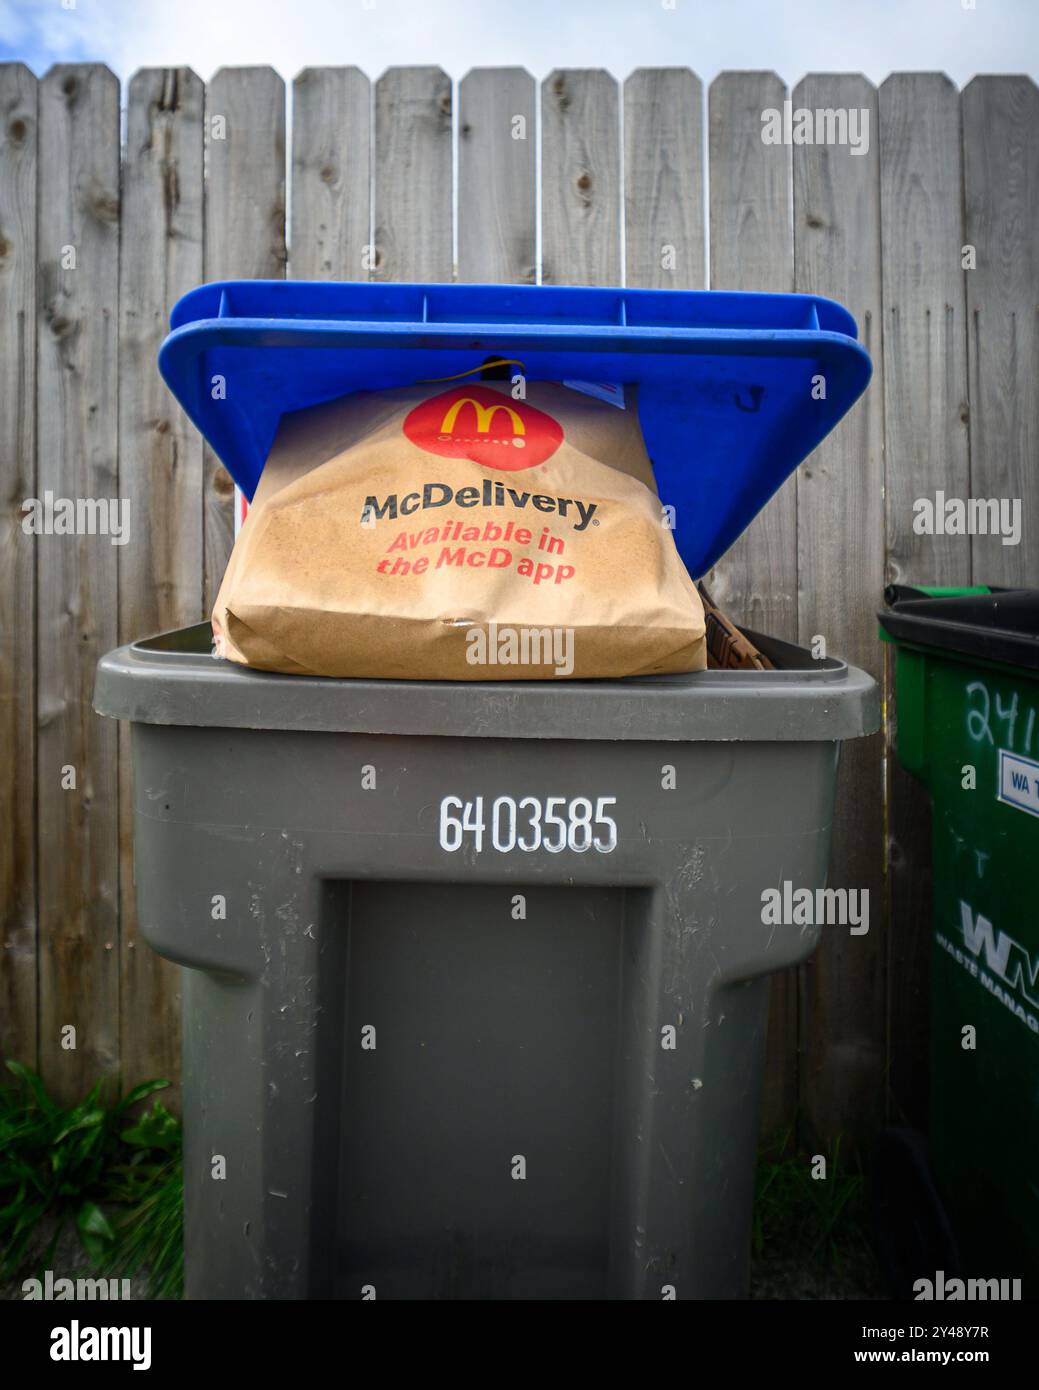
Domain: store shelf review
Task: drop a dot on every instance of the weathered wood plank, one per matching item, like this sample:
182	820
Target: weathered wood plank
580	179
18	940
413	175
926	447
160	451
331	191
497	194
840	524
752	248
1001	198
77	400
663	179
925	375
244	238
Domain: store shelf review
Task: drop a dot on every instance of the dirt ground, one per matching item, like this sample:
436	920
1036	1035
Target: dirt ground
67	1261
851	1278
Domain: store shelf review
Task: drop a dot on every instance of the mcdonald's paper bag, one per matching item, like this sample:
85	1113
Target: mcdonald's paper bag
455	532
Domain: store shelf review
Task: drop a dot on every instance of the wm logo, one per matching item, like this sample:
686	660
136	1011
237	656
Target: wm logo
1004	956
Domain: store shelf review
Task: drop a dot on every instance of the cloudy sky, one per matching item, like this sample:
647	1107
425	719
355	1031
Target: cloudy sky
959	37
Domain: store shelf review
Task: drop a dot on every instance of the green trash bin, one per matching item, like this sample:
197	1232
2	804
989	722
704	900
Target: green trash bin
967	690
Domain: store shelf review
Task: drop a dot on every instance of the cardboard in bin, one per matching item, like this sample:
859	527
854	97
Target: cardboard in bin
729	392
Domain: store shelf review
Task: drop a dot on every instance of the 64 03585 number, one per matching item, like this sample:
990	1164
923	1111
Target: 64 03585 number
552	823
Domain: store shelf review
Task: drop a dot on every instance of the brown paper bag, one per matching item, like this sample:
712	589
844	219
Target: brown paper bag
452	532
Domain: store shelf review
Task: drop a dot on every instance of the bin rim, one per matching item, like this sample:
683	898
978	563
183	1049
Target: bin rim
173	680
968	626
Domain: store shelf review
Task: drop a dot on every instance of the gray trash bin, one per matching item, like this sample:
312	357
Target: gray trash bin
477	984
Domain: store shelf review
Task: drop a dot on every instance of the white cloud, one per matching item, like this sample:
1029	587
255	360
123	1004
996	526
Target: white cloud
37	27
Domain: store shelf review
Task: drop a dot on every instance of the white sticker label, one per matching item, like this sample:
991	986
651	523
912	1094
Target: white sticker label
612	392
1018	782
528	824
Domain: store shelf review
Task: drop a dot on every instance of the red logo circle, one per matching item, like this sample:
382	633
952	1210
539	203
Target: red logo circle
474	422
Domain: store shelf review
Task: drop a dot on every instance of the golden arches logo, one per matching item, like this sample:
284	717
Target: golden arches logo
484	416
528	438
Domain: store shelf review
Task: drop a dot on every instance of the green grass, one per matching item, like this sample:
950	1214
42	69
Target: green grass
798	1217
117	1176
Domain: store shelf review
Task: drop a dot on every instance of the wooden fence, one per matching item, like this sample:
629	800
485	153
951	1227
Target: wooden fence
98	238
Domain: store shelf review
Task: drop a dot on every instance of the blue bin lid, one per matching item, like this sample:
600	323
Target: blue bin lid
725	381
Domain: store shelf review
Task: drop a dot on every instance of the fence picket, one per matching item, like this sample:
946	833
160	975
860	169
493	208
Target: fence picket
925	397
1001	198
77	395
18	936
752	248
663	179
840	541
580	179
497	204
331	168
160	471
413	172
244	240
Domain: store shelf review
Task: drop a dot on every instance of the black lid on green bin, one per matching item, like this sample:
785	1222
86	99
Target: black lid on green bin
1000	626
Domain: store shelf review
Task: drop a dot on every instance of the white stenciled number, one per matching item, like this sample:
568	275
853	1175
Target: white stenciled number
450	825
610	843
503	824
557	823
554	825
579	837
453	827
472	819
534	805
